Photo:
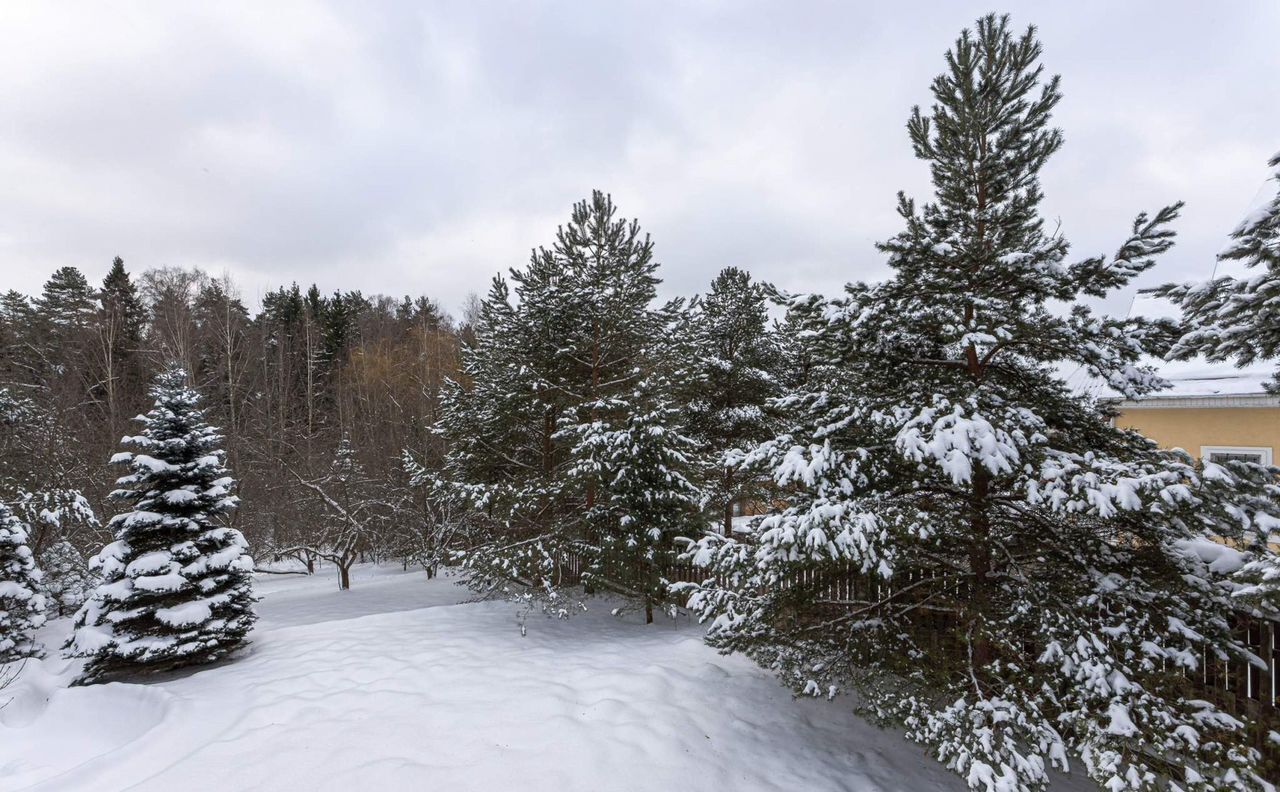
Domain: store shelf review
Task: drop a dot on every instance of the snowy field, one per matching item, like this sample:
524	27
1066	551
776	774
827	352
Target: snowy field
395	685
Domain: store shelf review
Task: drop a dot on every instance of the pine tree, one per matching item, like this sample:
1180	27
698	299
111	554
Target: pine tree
176	582
736	362
1019	582
16	336
21	602
1231	318
60	337
642	462
15	308
66	301
549	378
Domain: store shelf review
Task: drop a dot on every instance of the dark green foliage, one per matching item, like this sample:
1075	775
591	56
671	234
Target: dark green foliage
66	303
550	381
122	306
176	582
734	373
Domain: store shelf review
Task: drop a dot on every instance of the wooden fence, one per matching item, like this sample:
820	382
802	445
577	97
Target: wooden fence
1241	689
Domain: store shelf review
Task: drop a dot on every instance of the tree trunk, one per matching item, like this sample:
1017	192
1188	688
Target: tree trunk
728	504
980	568
648	610
344	575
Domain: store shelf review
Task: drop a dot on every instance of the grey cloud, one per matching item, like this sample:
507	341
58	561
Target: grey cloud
410	148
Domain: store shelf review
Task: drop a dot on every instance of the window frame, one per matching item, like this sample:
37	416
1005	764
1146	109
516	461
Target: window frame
1263	451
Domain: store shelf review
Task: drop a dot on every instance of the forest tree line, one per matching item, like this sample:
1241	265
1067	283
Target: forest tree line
330	405
305	382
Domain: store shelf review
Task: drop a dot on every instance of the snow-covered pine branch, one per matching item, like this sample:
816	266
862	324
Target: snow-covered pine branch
1231	318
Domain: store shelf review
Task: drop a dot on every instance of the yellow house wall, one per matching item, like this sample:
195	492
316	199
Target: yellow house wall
1192	427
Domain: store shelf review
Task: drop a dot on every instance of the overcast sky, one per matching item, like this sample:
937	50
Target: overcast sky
401	148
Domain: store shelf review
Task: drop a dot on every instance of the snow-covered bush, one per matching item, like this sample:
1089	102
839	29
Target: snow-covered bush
56	514
176	582
1021	584
67	579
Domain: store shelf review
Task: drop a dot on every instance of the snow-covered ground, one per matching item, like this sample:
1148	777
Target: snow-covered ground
394	685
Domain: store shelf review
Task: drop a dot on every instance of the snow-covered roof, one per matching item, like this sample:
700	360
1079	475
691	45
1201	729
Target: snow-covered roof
1197	383
1198	378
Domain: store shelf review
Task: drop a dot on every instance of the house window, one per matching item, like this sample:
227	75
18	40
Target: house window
1221	454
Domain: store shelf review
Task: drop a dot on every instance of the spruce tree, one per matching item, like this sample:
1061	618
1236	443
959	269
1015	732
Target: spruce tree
500	436
1238	318
120	324
176	582
337	330
122	307
315	305
969	544
22	605
736	361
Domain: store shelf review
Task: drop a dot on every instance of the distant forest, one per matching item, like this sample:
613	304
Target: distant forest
285	386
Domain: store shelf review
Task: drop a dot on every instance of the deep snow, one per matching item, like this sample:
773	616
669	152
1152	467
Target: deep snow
394	685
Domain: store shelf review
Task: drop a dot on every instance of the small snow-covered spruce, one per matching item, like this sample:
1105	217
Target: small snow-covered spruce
1238	318
21	601
1035	585
176	583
